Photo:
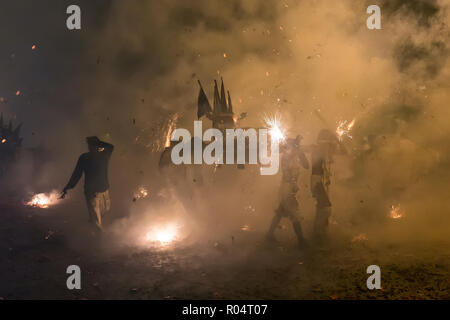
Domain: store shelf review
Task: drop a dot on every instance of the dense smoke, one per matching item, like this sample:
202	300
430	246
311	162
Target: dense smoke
313	62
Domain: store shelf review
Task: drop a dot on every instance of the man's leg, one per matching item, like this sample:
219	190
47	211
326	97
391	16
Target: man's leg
275	222
298	231
95	207
323	213
90	199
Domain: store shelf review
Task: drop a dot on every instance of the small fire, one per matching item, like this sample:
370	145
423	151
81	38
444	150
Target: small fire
396	212
43	200
344	128
164	235
141	193
275	130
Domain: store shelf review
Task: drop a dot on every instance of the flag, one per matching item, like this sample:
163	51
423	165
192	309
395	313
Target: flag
217	101
230	106
203	104
223	99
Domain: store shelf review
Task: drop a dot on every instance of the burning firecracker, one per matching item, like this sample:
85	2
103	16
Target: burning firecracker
43	200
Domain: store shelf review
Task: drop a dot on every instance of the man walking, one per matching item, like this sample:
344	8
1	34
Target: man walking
292	159
94	165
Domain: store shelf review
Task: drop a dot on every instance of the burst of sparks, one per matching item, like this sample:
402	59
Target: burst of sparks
164	235
396	212
171	126
344	128
276	132
43	200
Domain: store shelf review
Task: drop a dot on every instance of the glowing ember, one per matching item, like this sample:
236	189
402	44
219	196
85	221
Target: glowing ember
164	235
142	193
18	93
43	200
3	140
275	130
396	212
33	47
245	228
344	128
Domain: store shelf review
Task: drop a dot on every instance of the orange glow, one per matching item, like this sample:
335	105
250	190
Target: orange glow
163	235
396	212
43	200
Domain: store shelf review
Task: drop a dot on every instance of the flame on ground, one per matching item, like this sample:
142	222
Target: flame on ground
396	212
163	235
43	200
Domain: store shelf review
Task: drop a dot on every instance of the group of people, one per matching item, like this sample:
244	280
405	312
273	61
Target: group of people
292	159
94	165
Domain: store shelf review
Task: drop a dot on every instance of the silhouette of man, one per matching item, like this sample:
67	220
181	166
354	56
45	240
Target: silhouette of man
94	165
292	159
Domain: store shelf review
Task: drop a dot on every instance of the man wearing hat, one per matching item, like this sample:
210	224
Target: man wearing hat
94	165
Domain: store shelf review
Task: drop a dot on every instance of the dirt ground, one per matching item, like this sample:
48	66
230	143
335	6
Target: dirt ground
36	248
